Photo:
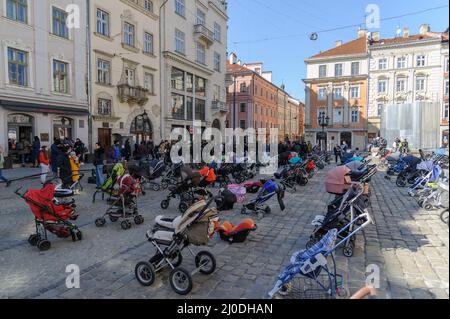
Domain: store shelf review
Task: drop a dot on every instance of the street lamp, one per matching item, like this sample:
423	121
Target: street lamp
324	121
231	80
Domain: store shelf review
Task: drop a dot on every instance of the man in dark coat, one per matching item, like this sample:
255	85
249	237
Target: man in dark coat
63	164
54	155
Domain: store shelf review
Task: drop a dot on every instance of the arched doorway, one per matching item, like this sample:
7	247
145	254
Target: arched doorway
142	128
62	127
347	137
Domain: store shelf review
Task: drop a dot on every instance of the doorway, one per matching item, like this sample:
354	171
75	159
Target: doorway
104	137
347	138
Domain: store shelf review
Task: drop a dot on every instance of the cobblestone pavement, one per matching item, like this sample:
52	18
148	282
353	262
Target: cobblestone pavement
410	245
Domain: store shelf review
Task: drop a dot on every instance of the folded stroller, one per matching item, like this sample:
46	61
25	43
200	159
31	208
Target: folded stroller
258	206
170	237
312	273
123	205
49	216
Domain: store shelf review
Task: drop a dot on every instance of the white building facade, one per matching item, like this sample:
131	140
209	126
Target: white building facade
407	70
43	71
193	64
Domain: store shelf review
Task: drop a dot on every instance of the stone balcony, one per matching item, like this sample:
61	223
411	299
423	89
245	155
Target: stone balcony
204	34
219	106
132	94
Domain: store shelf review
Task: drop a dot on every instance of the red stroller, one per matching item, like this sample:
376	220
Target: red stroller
49	216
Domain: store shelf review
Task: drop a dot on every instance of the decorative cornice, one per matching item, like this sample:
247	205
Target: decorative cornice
218	10
180	59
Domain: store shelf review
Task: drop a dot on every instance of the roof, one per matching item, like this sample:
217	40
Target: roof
400	40
234	68
358	46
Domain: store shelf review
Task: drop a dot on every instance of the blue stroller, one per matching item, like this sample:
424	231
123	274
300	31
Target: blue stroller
258	206
312	273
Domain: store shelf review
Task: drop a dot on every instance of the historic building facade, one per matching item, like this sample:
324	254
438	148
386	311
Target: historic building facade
336	86
43	71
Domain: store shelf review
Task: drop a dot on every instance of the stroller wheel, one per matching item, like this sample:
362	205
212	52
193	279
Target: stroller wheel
34	239
139	219
125	225
261	215
428	207
44	245
206	262
156	188
73	235
164	185
113	219
401	182
244	211
343	293
79	235
348	251
165	204
183	207
145	273
444	216
100	222
420	202
181	281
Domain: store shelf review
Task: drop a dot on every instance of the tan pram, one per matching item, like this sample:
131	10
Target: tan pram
171	236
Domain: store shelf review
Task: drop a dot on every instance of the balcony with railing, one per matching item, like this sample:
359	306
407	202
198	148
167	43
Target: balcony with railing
203	33
219	106
132	94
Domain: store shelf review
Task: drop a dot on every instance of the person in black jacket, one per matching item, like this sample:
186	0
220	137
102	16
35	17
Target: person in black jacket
63	163
99	154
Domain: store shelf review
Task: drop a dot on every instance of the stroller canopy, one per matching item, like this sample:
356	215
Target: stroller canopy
412	161
337	180
295	160
356	166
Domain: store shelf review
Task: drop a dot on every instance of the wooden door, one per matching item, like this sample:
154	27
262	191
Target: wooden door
104	137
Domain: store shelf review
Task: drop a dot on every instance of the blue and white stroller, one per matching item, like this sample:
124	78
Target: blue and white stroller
155	170
258	206
312	273
424	183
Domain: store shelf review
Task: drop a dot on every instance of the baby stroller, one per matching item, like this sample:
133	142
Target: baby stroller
258	206
433	200
50	217
410	173
312	273
108	186
123	205
170	237
153	170
287	178
425	183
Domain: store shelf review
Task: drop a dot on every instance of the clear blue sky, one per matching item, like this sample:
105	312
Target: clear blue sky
276	31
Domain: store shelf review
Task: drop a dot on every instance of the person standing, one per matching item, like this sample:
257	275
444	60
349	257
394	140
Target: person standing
117	154
337	152
54	152
35	149
63	163
74	167
2	163
127	150
99	154
44	161
79	149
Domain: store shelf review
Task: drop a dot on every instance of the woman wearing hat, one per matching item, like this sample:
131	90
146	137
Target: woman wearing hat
44	161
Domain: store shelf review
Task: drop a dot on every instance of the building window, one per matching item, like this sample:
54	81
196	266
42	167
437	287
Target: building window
446	65
104	107
243	87
380	109
446	89
355	68
201	53
337	116
60	77
401	85
420	60
401	62
102	23
217	32
338	70
338	94
382	86
242	124
322	94
17	67
216	93
17	10
322	71
178	107
59	23
200	86
446	111
420	83
243	108
148	43
354	92
179	41
355	115
149	83
128	34
180	7
382	64
200	110
177	79
103	72
201	17
130	75
217	61
148	5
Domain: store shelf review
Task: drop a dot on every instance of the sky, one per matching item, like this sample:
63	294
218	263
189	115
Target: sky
276	32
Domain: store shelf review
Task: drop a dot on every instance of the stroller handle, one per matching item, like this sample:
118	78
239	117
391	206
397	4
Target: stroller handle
17	192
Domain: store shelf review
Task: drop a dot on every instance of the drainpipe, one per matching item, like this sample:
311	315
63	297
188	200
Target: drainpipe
161	66
89	74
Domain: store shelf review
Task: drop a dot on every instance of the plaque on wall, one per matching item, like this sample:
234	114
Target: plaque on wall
45	137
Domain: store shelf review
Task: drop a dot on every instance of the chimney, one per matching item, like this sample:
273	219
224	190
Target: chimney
362	33
376	36
338	43
233	58
406	32
239	62
424	29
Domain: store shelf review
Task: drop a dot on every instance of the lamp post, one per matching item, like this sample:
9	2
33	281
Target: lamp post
323	121
231	80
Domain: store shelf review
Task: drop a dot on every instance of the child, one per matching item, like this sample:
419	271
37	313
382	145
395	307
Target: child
74	166
44	161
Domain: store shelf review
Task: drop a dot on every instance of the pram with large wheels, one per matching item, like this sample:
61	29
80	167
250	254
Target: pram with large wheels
171	236
50	216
